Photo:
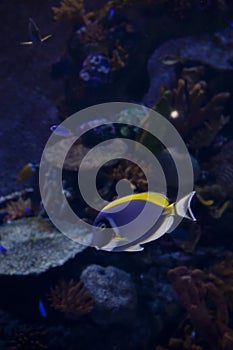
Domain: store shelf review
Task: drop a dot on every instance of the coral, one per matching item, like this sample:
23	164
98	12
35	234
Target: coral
19	209
203	49
29	339
17	205
71	10
35	246
222	276
92	33
132	172
119	58
205	305
199	117
196	115
221	167
181	7
215	198
74	10
186	341
24	194
71	298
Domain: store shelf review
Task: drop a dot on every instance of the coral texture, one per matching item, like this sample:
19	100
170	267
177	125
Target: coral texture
195	294
71	298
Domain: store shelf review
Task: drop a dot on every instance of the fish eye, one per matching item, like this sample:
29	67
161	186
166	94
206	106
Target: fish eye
102	225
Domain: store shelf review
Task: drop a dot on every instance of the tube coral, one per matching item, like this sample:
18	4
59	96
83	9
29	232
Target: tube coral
222	276
221	167
205	305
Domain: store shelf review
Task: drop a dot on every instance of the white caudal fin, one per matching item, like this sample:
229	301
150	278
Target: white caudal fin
183	207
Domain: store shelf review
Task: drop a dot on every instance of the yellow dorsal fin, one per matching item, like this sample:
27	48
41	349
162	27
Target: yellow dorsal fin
153	197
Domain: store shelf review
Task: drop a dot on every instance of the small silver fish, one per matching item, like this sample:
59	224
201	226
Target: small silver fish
171	60
35	36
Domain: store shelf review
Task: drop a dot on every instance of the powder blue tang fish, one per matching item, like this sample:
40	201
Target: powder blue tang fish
128	222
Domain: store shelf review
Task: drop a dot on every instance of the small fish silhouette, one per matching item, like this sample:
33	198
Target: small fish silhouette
3	249
34	34
42	309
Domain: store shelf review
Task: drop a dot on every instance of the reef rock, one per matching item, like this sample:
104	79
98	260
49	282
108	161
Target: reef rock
114	294
34	246
214	50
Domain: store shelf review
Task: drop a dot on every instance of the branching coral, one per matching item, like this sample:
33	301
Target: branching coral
19	209
132	172
199	118
222	276
17	205
205	305
71	298
93	33
215	197
186	341
72	10
29	339
119	57
221	167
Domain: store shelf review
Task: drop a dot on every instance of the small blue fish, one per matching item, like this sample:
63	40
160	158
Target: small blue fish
111	13
3	249
42	309
61	130
28	210
35	36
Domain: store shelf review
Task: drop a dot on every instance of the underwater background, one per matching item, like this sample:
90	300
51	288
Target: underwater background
57	58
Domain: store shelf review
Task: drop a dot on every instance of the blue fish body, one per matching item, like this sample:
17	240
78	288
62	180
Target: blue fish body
111	13
42	309
61	130
3	249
